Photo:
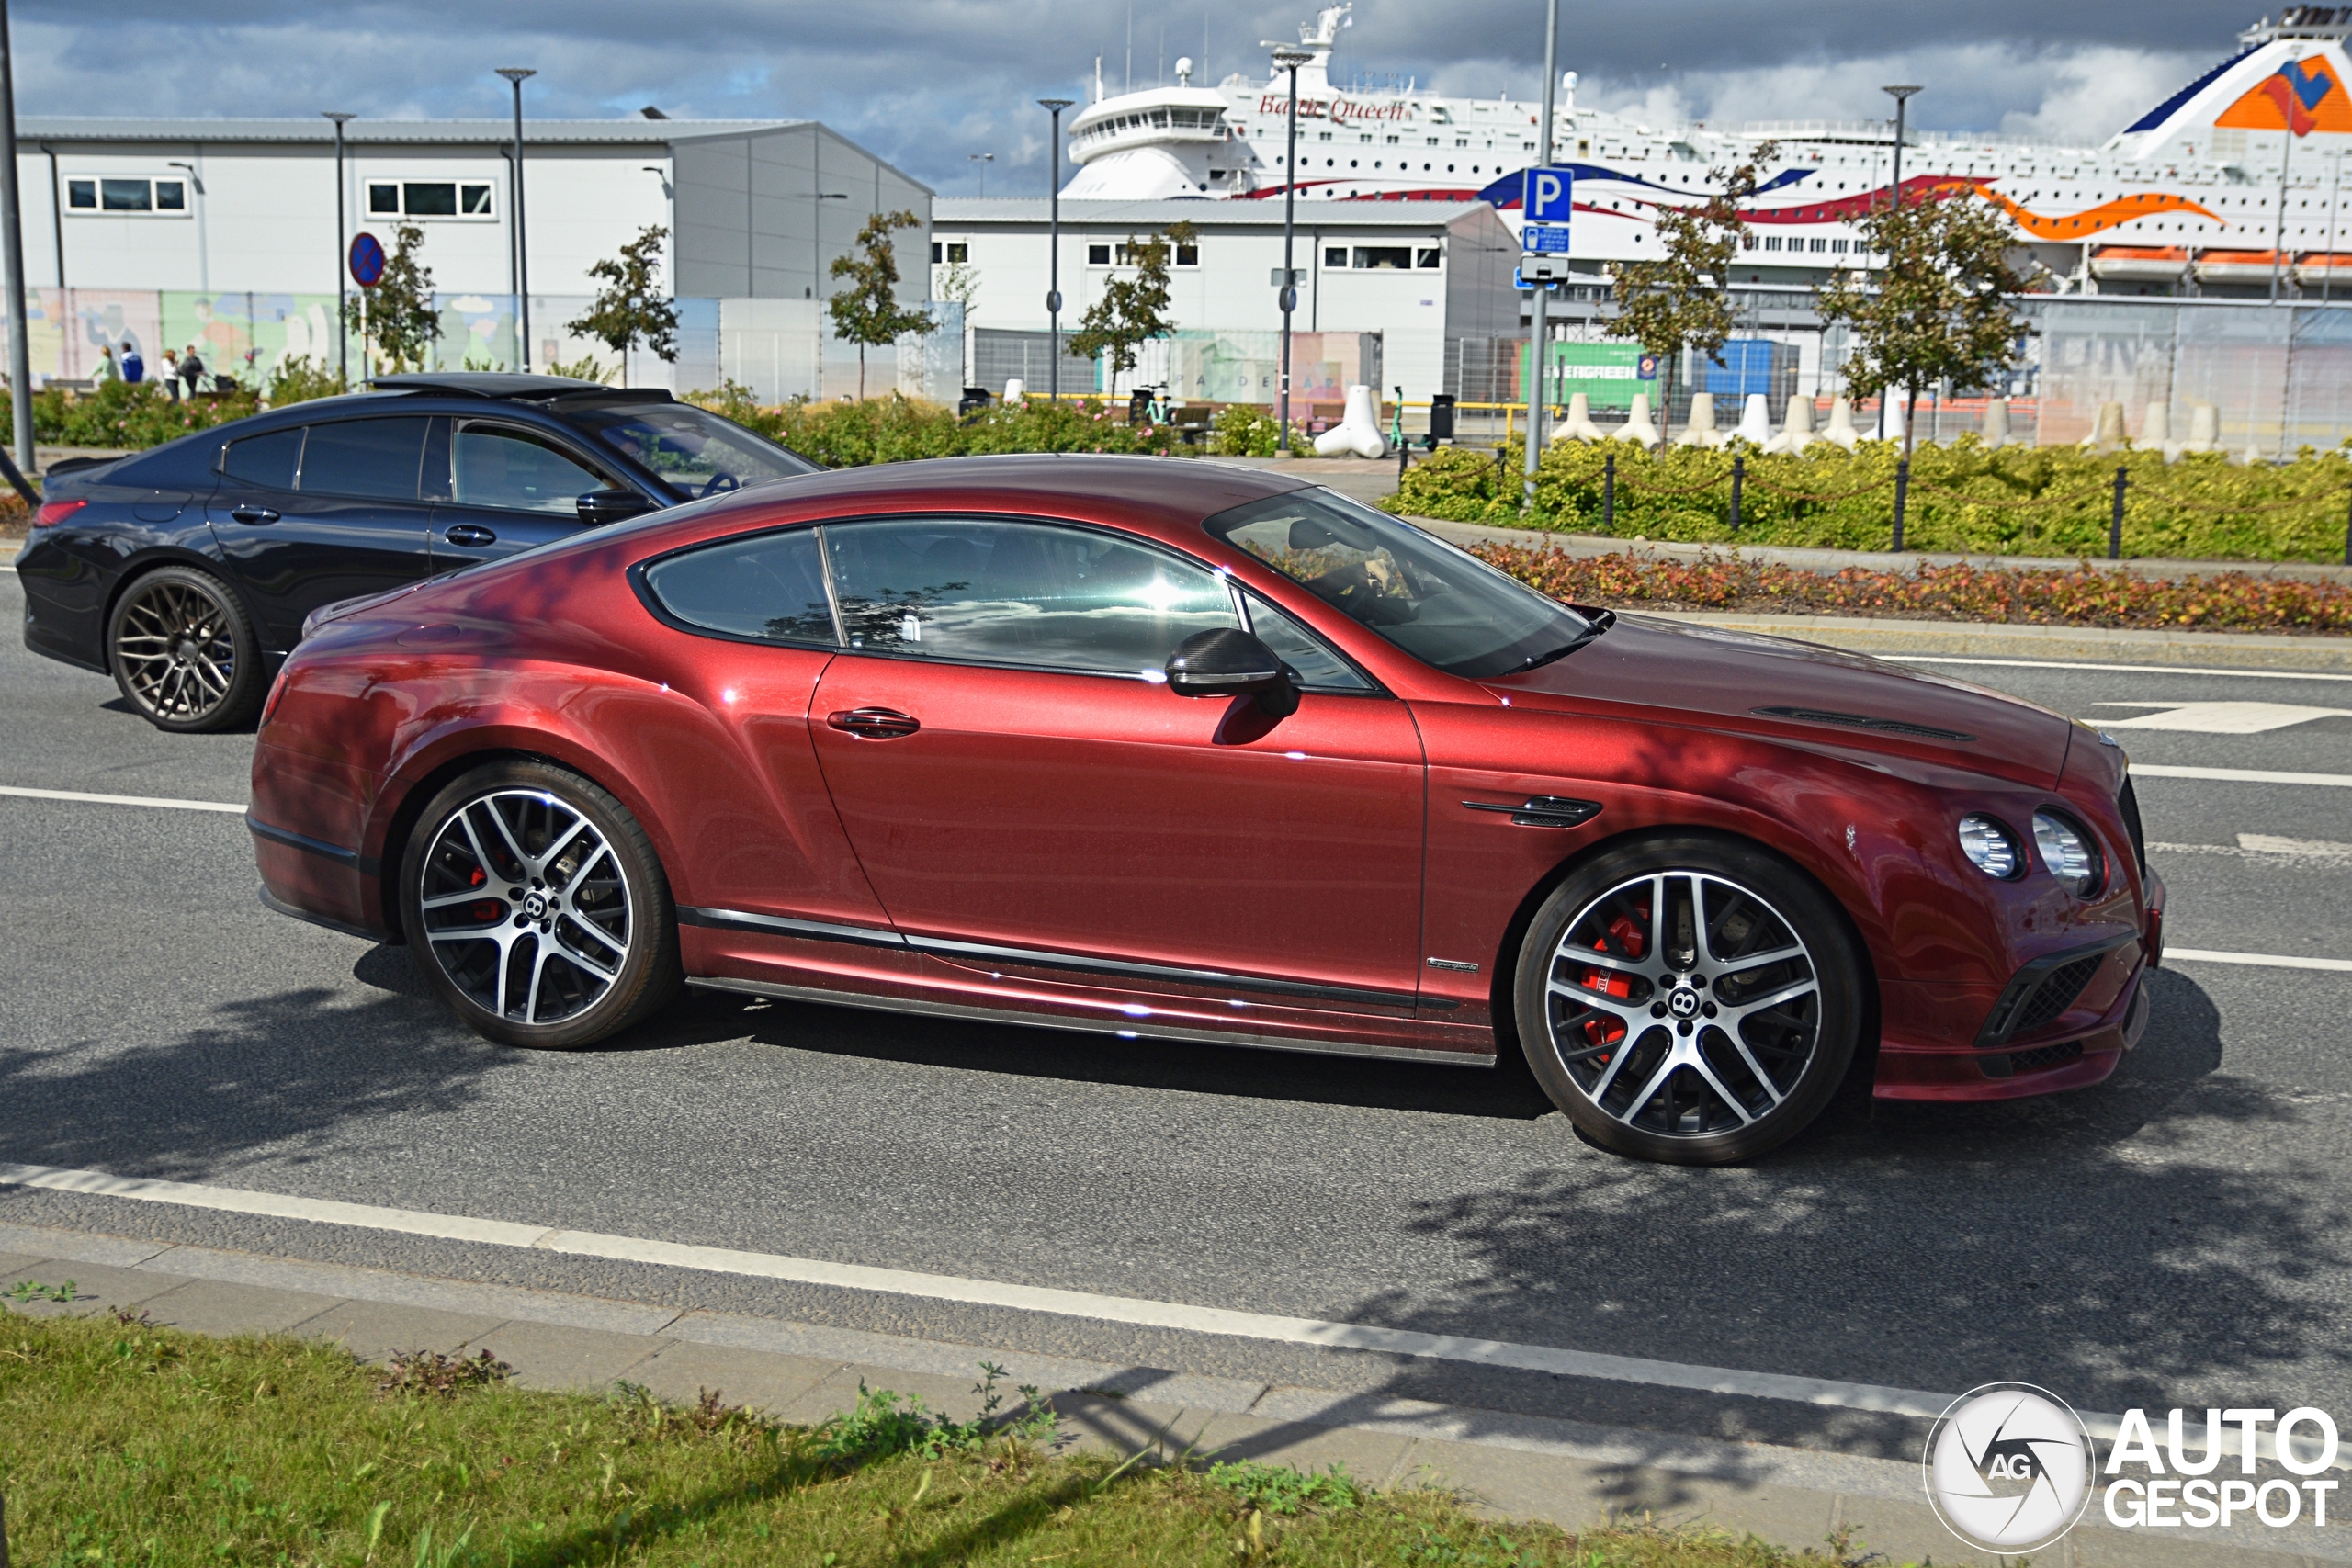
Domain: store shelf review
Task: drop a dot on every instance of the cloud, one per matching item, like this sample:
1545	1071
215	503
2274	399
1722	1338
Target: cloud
927	82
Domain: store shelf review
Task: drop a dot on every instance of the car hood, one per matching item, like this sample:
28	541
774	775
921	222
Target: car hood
1803	691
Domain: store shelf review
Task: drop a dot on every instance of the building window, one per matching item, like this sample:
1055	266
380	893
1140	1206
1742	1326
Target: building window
1098	255
428	198
127	195
955	253
1386	258
1188	255
1427	256
1817	246
1335	255
1838	246
1323	136
1771	242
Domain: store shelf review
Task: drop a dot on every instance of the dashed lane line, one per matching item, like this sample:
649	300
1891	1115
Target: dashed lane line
119	799
2260	960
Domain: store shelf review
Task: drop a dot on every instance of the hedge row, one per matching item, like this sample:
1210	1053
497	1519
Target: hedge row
1963	497
2083	596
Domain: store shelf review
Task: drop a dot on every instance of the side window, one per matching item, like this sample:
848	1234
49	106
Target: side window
374	459
1024	593
512	470
1312	664
268	461
770	586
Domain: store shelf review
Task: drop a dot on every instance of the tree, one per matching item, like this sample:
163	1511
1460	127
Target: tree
1684	301
868	312
1939	308
397	314
1133	310
629	310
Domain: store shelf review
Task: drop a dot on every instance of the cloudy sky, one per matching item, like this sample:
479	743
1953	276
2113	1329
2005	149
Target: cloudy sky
929	83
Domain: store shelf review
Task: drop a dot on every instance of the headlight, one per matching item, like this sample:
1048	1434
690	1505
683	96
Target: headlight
1989	846
2070	852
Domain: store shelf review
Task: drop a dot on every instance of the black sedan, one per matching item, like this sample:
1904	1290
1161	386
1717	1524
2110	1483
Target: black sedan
186	572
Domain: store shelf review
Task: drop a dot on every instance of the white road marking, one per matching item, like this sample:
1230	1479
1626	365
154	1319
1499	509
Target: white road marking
2239	775
1180	1316
2267	846
2220	718
2261	960
2128	669
121	799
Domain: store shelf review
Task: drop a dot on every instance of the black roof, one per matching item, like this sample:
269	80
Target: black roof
510	386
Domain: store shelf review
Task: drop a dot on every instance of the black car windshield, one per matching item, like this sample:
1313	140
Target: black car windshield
694	452
1442	606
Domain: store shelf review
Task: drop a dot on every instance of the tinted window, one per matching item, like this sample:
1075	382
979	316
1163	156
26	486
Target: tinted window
1442	606
123	196
373	458
1312	664
695	452
769	585
432	201
1019	594
267	460
509	468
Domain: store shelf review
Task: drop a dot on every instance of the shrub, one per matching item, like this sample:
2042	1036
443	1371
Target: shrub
123	415
896	429
298	378
1964	497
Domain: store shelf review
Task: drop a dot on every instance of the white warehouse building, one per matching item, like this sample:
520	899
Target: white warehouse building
223	233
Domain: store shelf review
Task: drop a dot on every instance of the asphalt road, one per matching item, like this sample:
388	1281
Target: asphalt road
2173	1236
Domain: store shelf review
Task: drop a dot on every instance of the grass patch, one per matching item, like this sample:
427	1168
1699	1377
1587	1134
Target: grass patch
122	1443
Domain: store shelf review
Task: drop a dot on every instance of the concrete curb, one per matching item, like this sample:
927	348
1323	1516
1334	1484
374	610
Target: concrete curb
1514	1466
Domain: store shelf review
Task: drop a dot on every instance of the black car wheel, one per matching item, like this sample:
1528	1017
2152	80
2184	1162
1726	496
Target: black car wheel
184	652
536	905
1687	999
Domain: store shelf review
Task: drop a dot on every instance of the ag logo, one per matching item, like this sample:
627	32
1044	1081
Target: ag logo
2008	1468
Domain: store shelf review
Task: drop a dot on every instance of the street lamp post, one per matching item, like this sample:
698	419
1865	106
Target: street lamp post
516	75
1901	94
983	159
1054	262
2279	229
1290	59
1539	325
342	338
12	239
1902	97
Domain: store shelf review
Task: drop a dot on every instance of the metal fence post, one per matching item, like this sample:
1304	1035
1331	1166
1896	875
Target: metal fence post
1738	476
1902	492
1609	499
2115	522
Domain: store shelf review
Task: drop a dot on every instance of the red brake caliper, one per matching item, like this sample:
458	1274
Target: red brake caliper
1604	1030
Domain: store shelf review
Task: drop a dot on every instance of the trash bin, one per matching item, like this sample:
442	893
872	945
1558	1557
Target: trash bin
1441	417
974	400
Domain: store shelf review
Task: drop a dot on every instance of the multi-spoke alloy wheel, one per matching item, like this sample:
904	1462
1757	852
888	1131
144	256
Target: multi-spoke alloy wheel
182	651
534	901
1678	1010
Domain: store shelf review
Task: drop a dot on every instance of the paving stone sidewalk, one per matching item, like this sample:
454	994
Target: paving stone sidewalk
1520	1467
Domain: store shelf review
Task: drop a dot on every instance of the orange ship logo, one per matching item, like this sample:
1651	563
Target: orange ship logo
2302	95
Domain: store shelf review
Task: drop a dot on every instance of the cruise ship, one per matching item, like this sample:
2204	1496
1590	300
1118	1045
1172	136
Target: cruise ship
2229	186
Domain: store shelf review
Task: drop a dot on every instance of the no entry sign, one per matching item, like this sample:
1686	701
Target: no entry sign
367	261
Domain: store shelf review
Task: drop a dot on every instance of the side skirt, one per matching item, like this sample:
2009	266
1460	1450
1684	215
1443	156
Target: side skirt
1122	1027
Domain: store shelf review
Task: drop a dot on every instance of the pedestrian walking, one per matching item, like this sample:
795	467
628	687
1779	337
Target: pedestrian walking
134	367
107	369
191	369
170	379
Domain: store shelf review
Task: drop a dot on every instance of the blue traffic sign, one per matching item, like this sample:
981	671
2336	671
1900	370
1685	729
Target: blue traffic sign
1547	196
367	261
1645	367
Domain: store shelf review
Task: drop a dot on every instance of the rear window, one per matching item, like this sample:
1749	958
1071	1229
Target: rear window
769	587
266	460
374	459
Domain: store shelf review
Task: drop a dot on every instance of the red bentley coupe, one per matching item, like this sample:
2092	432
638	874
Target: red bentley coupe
1196	752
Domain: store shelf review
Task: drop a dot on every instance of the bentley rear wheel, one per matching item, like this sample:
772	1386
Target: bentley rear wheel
534	903
1690	1000
182	652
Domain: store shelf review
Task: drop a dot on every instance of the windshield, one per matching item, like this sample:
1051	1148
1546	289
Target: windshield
1442	606
693	451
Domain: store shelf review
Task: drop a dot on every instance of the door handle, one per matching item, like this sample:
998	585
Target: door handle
874	724
253	514
470	533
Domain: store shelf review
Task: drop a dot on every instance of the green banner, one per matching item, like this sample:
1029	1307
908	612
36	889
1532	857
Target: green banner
1607	373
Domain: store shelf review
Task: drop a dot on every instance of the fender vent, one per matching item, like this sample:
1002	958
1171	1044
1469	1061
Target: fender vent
2057	994
1861	721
